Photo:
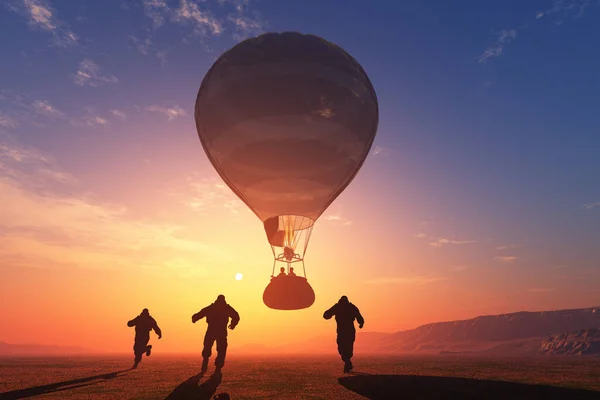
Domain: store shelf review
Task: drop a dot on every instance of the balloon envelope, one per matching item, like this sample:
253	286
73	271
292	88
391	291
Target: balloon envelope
287	121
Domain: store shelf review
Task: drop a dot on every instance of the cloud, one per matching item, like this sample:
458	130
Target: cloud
200	17
90	120
155	10
505	247
337	216
566	7
20	109
541	290
246	26
589	206
42	16
205	194
45	108
562	8
506	259
404	280
162	56
141	45
202	21
438	242
46	219
30	168
504	37
172	112
338	219
8	122
380	151
89	74
146	47
117	113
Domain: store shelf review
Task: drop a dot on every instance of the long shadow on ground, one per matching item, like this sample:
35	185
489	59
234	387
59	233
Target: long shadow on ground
58	386
190	390
438	387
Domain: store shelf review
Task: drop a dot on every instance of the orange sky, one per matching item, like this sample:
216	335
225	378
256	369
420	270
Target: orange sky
75	267
480	194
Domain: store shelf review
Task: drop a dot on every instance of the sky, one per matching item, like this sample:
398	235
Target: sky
481	193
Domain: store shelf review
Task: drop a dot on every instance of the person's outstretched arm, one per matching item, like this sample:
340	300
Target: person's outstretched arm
199	315
329	313
156	328
359	318
235	318
133	322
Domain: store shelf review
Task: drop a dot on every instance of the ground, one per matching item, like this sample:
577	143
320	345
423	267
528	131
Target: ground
294	377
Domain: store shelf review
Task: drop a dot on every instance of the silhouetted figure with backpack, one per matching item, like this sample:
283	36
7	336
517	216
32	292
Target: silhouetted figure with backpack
217	316
345	313
143	323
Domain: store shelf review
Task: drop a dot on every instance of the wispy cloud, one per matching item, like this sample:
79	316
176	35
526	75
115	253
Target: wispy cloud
91	119
30	168
438	242
506	259
18	109
505	247
45	108
118	113
143	46
246	26
503	38
541	290
199	16
560	8
337	216
246	23
8	122
88	74
589	206
171	112
42	16
404	280
380	151
21	110
47	219
205	194
566	7
147	47
155	10
202	21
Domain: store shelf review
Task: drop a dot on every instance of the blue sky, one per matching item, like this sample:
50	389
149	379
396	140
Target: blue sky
487	157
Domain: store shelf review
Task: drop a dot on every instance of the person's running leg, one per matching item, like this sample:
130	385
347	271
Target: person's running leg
221	352
207	350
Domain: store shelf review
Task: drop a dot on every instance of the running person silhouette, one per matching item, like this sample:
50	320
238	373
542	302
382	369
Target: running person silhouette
345	313
143	323
217	316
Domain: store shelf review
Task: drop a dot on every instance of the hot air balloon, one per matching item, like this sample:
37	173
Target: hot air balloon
287	120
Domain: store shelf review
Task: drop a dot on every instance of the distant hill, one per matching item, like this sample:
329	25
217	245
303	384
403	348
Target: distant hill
516	332
583	342
9	349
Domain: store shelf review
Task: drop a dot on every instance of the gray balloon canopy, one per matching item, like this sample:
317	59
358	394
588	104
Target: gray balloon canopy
287	120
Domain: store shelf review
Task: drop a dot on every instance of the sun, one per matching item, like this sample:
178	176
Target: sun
239	276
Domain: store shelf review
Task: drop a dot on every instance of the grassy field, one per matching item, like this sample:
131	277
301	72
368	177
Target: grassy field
176	377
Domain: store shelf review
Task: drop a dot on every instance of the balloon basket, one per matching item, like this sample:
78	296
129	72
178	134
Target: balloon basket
288	293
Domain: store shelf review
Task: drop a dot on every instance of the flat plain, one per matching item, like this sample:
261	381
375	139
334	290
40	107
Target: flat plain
172	376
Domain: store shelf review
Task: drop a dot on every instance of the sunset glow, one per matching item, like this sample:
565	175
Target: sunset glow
480	194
